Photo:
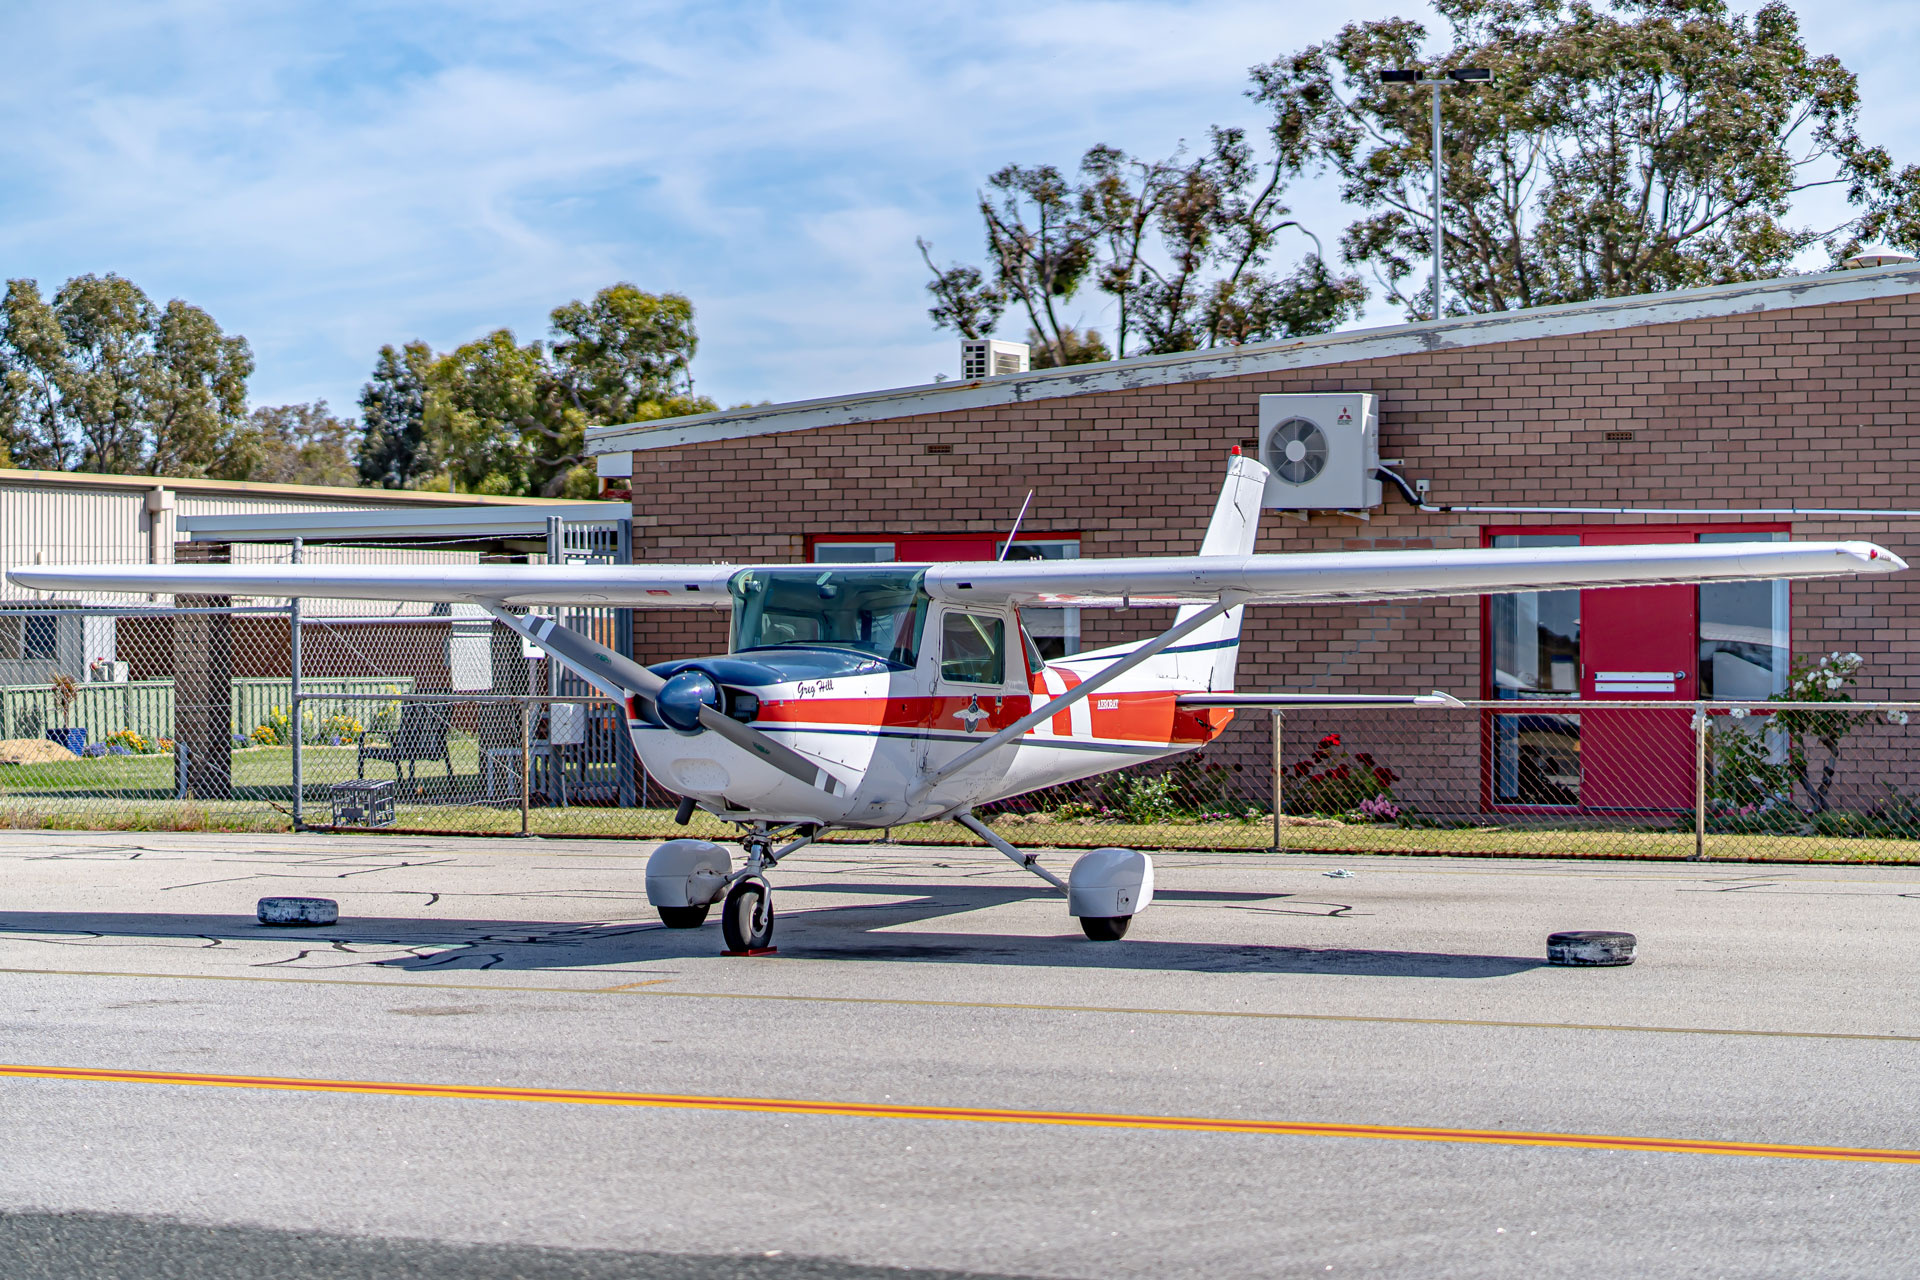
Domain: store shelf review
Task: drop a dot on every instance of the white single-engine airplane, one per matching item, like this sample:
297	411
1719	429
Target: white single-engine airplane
867	696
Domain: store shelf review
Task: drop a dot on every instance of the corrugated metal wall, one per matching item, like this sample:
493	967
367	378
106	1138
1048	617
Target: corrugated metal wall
55	525
61	524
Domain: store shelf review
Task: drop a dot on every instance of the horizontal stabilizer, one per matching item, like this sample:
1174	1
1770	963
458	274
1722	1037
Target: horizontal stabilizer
1316	701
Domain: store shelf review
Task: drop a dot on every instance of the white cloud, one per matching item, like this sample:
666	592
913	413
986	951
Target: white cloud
326	178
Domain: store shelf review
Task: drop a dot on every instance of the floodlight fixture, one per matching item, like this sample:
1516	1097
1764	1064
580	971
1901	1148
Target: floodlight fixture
1463	77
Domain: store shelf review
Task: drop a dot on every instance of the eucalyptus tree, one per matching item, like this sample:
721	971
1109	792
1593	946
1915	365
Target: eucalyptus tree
98	378
1183	245
496	415
1623	147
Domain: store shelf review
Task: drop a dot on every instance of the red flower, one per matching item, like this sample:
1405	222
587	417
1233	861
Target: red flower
1341	774
1300	769
1385	777
1364	757
1331	740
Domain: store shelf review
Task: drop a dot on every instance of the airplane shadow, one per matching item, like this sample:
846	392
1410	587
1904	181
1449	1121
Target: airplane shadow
828	933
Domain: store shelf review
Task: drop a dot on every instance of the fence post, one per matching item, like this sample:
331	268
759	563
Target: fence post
1699	781
293	664
1279	772
526	750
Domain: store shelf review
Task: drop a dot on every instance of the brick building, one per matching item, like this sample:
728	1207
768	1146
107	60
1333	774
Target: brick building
1709	414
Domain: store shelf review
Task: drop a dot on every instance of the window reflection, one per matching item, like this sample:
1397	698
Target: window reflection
1536	655
853	553
1743	631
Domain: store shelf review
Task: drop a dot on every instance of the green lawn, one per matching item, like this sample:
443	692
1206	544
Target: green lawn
136	792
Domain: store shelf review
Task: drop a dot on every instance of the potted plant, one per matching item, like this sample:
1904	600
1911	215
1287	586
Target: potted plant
65	691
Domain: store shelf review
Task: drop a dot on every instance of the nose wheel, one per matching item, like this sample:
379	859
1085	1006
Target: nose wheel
746	918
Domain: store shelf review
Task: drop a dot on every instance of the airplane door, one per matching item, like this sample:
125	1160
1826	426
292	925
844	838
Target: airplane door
979	684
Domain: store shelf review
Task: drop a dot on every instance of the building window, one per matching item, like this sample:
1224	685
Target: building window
1743	631
1535	653
1055	632
853	553
40	638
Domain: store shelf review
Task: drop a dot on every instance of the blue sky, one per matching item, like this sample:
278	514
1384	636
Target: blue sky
328	177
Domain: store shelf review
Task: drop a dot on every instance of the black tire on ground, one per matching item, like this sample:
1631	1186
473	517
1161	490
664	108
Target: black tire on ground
746	921
1105	928
1588	947
298	911
684	917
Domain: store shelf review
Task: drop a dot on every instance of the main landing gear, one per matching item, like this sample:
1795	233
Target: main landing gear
1105	889
686	877
746	922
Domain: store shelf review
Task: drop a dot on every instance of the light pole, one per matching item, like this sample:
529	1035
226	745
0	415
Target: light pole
1461	76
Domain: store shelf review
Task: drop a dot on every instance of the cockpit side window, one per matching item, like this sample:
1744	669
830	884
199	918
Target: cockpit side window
973	649
1034	659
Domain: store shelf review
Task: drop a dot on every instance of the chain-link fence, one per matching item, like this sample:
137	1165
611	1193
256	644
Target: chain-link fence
416	720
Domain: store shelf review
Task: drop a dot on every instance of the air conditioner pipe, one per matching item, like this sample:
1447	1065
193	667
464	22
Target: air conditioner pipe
1406	491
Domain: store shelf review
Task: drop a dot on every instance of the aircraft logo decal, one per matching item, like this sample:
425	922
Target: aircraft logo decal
972	714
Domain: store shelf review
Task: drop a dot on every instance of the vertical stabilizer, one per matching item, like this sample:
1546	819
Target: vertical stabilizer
1206	658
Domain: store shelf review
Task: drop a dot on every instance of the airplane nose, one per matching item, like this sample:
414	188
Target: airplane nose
683	695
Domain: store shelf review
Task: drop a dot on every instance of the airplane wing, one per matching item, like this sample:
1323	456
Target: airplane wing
1331	577
655	586
1138	582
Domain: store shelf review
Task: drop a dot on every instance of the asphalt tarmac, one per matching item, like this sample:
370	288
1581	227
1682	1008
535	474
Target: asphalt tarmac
498	1065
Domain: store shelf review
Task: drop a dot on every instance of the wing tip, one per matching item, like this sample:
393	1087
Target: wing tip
1874	558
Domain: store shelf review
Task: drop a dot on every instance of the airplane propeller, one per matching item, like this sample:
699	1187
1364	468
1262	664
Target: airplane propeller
688	701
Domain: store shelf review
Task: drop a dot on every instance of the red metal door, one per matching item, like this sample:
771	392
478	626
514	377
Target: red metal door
1637	644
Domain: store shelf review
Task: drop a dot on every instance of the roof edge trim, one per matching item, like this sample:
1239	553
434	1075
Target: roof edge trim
262	489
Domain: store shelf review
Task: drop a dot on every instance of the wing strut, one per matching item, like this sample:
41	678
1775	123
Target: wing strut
1112	671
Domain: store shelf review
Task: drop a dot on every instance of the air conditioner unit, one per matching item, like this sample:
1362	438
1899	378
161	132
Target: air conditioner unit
991	358
1322	451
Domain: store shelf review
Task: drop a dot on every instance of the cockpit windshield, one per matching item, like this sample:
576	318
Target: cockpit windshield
878	611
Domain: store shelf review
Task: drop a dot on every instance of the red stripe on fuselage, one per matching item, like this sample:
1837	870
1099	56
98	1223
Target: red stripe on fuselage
1143	716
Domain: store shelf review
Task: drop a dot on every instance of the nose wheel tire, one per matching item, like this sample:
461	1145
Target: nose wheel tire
684	917
1105	928
746	921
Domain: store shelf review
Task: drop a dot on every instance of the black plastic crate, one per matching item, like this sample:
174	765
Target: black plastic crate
362	802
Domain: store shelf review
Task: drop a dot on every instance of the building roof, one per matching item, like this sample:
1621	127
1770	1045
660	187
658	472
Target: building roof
318	493
1268	357
392	522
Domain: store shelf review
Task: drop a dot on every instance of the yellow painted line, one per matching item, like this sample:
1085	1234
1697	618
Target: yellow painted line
650	988
975	1115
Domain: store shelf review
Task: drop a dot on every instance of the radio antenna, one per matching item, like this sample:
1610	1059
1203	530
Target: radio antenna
1008	545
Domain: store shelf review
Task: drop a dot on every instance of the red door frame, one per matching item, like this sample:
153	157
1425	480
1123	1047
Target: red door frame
1683	532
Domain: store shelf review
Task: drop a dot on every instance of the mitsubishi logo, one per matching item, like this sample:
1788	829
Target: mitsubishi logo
972	714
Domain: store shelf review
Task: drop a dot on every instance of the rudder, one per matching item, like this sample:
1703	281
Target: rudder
1207	657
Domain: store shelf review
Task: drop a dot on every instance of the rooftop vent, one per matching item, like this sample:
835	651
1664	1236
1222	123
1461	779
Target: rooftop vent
1876	255
991	358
